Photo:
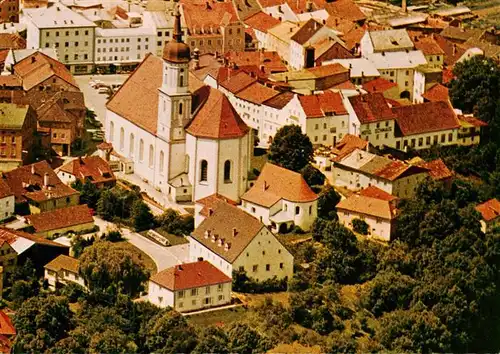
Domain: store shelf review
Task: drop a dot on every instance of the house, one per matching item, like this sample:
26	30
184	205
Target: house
436	92
433	53
361	69
11	41
261	23
53	223
9	11
205	206
17	135
63	270
37	186
388	88
7	201
268	62
394	40
347	145
160	20
190	287
438	170
374	206
470	129
490	214
8	255
232	239
88	168
361	169
281	199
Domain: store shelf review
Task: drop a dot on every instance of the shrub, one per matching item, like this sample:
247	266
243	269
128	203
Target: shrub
360	226
243	283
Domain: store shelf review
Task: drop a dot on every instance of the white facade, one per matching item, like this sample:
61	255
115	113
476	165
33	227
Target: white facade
377	227
62	277
282	12
7	207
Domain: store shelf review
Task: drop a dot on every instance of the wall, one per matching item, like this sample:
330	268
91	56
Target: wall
426	140
380	133
160	296
406	187
378	228
61	231
198	251
327	130
365	45
62	277
282	12
7	207
195	299
123	45
55	203
8	259
355	180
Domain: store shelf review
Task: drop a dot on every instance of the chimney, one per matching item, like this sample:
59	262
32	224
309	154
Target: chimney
207	6
46	180
33	169
179	267
403	6
454	49
262	68
336	22
210	213
227	246
196	59
221	242
207	233
310	56
309	6
235	232
33	59
383	53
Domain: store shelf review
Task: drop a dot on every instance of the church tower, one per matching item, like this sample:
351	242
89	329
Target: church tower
174	110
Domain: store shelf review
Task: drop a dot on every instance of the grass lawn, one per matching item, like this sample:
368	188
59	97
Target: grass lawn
257	299
219	318
148	261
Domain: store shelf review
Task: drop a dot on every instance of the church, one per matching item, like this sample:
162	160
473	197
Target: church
188	143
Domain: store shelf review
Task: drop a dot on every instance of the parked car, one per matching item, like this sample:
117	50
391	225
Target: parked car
103	89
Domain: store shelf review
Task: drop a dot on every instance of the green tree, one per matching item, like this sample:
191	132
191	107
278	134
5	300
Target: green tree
89	193
328	199
245	339
212	340
360	226
313	176
142	218
112	341
291	149
107	204
174	223
79	243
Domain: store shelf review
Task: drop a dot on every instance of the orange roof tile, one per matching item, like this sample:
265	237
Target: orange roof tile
437	169
367	205
348	144
257	93
6	326
209	203
238	82
340	24
209	14
63	262
12	41
280	100
371	107
327	70
322	105
396	169
275	183
346	9
190	275
428	46
437	92
334	51
11	236
270	60
93	168
378	85
452	51
377	193
489	210
469	118
261	21
215	117
269	3
5	190
353	37
306	31
61	218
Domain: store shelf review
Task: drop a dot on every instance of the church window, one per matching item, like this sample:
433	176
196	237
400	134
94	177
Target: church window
180	108
297	210
164	105
227	171
141	150
203	171
151	156
181	81
162	161
111	131
122	138
131	147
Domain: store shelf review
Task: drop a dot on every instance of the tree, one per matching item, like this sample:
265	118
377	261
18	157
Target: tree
142	218
112	341
212	340
174	223
109	268
244	339
291	149
328	199
106	205
313	176
89	193
360	226
79	243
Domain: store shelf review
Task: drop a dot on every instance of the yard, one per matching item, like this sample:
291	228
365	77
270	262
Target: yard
218	318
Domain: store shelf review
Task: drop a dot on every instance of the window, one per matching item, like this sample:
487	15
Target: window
420	141
151	156
203	171
407	72
67	33
57	34
111	131
66	44
122	138
180	294
131	146
180	108
207	290
76	56
85	56
221	297
194	292
281	265
268	267
76	44
46	45
255	267
450	137
181	304
86	33
428	140
220	287
297	210
141	150
227	171
443	138
253	211
310	209
194	302
162	158
316	126
406	83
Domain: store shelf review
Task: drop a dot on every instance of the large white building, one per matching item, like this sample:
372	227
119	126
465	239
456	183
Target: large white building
187	144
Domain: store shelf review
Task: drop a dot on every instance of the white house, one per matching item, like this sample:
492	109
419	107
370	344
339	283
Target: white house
232	239
490	214
189	287
7	201
281	199
374	206
261	23
394	40
361	69
63	270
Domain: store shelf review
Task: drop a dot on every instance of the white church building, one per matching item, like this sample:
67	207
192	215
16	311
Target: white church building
188	145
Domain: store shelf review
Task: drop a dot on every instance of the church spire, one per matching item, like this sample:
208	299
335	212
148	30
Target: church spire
177	35
176	51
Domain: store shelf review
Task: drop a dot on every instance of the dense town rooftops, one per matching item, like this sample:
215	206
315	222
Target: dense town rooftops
317	72
306	31
390	40
428	46
372	202
346	9
397	60
322	105
262	21
13	116
63	262
60	218
489	210
92	168
347	145
378	85
257	93
203	17
371	108
56	15
284	31
12	41
271	61
280	101
437	169
238	82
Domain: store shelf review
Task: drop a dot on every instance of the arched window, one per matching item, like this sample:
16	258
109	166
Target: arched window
111	130
151	156
132	145
141	150
162	161
227	171
181	81
122	138
180	108
203	171
297	210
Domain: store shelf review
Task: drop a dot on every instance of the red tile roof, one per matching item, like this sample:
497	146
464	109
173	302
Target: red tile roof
238	82
346	9
377	193
469	118
396	169
371	108
447	76
262	21
428	46
12	41
270	60
5	190
437	92
348	144
257	93
209	14
211	201
61	218
275	183
322	105
335	51
6	326
489	210
306	31
367	205
426	118
327	70
353	37
215	117
190	275
452	51
93	168
346	85
340	24
378	85
280	101
437	169
11	236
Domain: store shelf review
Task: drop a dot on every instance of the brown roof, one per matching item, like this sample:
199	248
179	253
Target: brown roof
209	14
460	34
394	169
367	205
346	9
11	236
257	93
27	185
378	85
348	144
437	169
190	275
238	82
262	21
489	210
275	183
470	119
63	262
327	70
12	41
209	203
215	117
340	24
322	104
425	118
235	227
269	59
371	108
452	51
5	190
353	37
377	193
280	100
428	46
306	31
93	168
437	92
6	326
334	51
61	218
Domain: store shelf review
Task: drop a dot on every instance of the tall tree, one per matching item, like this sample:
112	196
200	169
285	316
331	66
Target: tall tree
141	215
291	149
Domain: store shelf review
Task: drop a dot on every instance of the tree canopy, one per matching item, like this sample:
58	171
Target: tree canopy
291	149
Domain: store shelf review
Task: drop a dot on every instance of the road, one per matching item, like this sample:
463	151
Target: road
164	257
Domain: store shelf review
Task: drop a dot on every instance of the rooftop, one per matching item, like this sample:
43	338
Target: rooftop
61	218
257	93
347	145
428	46
208	15
360	67
56	15
397	60
270	60
390	40
93	168
63	262
210	203
22	241
490	210
346	9
261	21
372	203
323	105
436	92
378	85
13	116
6	326
371	108
317	72
306	31
437	169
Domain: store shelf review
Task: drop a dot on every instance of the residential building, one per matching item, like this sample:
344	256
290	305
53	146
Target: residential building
205	206
7	201
328	50
8	255
280	10
7	332
361	169
395	40
275	116
88	168
348	144
267	62
63	270
455	53
11	41
345	9
163	23
17	135
490	214
389	90
187	144
361	69
281	199
437	170
37	186
16	55
232	239
190	287
470	129
433	53
436	92
261	23
279	38
57	222
375	207
56	26
9	11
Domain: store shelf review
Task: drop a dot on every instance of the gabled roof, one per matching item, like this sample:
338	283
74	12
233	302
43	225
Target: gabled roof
437	92
334	51
489	210
359	67
276	183
437	169
209	14
56	15
233	226
370	203
347	145
93	168
306	31
238	82
425	118
280	101
461	34
353	37
12	41
6	326
215	117
63	262
377	193
190	275
469	121
322	104
390	40
210	202
452	51
61	218
22	241
345	9
257	93
371	108
261	21
378	85
270	60
428	46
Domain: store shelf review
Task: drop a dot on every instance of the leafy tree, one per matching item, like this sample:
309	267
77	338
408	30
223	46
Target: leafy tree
79	243
313	176
111	341
22	290
112	236
291	149
174	223
212	340
89	193
107	204
328	199
244	339
109	268
142	218
116	202
341	342
360	226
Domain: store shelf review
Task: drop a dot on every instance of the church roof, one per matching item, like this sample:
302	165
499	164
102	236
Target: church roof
215	117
